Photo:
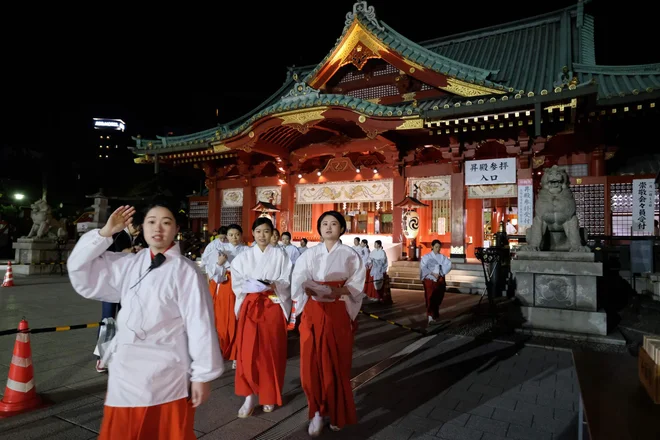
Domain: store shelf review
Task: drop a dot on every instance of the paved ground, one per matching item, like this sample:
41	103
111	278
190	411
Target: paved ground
448	386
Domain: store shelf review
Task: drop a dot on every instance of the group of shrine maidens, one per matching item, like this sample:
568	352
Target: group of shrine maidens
173	336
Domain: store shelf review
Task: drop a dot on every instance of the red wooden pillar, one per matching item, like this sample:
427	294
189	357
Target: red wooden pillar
370	222
597	162
215	201
457	250
249	200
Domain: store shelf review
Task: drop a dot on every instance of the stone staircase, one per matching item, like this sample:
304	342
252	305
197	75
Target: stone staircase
463	278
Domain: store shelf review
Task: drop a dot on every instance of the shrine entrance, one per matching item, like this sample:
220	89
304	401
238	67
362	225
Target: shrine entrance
367	218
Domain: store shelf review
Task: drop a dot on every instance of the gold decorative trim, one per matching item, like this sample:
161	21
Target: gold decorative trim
466	89
410	124
609	155
220	148
301	118
538	161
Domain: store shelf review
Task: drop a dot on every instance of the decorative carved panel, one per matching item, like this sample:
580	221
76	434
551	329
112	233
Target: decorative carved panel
232	198
338	192
270	194
431	188
339	165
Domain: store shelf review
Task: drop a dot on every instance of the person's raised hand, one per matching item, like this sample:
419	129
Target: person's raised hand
118	221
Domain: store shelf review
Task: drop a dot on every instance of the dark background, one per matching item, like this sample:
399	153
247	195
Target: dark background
167	69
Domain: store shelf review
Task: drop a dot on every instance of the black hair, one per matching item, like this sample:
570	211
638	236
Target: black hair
223	230
337	215
164	203
303	239
379	243
262	221
366	243
138	218
234	226
433	243
287	234
357	238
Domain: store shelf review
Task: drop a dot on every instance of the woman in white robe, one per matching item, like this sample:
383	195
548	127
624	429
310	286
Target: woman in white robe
217	259
433	268
166	349
261	279
379	289
332	276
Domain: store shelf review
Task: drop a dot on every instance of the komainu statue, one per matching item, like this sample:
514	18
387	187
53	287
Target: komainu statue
555	226
44	226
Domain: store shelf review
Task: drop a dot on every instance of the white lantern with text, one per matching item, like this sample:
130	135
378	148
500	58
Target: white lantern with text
411	224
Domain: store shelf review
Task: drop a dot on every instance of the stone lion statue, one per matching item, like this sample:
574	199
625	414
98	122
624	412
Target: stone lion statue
44	226
555	226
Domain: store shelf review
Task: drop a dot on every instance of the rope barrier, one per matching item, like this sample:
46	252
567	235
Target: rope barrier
52	329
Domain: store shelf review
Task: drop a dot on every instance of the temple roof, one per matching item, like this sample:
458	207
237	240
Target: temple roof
616	83
542	55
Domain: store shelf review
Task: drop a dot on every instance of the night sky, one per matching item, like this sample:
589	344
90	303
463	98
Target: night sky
168	69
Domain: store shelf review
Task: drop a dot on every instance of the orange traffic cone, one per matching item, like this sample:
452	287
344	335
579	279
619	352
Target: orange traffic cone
9	277
20	394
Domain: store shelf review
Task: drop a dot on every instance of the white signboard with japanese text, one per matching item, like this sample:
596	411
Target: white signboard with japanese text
490	171
525	202
643	205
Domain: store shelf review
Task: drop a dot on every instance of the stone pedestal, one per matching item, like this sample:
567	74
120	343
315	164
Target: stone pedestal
557	291
37	256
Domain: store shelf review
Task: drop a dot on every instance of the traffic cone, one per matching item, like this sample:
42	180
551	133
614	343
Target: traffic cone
20	393
9	277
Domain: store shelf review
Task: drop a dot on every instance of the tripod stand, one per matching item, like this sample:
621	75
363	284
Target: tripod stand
492	257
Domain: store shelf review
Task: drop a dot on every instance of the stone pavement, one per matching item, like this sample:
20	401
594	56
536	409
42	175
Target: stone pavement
452	388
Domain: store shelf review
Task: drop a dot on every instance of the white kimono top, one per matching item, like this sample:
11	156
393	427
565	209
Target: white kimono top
341	263
210	259
433	263
378	261
302	249
166	335
292	252
273	264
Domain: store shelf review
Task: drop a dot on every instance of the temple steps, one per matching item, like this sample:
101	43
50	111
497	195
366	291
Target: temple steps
463	278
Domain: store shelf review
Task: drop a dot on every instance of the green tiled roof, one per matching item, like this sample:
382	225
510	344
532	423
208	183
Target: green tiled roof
621	81
527	55
299	96
410	50
535	56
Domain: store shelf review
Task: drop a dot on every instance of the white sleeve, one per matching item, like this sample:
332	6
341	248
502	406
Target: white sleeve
210	262
197	312
300	274
237	278
424	271
357	277
95	273
283	282
445	266
295	254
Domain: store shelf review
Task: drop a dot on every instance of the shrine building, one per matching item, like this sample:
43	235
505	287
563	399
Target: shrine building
464	123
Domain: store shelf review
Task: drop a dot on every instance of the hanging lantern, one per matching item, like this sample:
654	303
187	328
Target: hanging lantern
411	224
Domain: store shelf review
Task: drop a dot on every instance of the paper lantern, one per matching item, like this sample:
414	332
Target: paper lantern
410	224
